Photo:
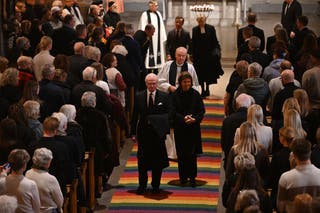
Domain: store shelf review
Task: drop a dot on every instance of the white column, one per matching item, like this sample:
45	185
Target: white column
223	20
244	3
184	12
237	20
170	18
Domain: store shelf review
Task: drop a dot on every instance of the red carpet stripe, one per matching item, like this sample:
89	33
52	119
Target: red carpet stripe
174	198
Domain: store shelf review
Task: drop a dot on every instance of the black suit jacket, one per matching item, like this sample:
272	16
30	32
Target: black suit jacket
256	32
299	37
63	40
173	41
151	146
288	19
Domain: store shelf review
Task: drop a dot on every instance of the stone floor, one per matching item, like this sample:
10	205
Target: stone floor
227	38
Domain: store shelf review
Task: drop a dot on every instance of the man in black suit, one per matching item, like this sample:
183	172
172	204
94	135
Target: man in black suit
291	10
151	109
134	53
177	37
252	20
144	37
302	31
64	37
256	54
50	94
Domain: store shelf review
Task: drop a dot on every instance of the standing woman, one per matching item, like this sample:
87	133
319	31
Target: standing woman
186	115
206	54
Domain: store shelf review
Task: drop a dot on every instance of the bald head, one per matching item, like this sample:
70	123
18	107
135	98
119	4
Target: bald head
78	48
287	76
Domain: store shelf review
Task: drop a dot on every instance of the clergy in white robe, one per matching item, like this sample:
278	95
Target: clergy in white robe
156	53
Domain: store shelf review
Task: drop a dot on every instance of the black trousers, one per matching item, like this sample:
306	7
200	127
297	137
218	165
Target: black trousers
143	177
187	166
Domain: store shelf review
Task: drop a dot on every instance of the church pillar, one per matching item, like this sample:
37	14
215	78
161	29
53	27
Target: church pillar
223	20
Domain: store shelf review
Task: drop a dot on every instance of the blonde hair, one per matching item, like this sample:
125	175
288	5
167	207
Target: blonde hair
288	133
255	115
45	42
291	118
9	77
303	100
248	140
32	109
290	103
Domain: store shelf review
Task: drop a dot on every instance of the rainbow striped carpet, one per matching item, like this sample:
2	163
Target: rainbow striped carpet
175	198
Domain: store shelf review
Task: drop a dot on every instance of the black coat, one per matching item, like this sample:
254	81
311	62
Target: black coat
174	41
77	64
229	127
152	151
256	32
206	54
299	37
60	166
288	20
260	57
96	134
125	70
52	96
111	19
134	56
187	137
103	103
63	40
141	37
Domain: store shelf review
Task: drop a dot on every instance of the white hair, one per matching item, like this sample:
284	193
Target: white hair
69	111
32	109
88	99
244	100
89	73
63	121
41	157
120	49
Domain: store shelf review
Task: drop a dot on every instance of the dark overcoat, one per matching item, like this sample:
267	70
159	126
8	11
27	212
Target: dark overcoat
187	136
152	151
206	54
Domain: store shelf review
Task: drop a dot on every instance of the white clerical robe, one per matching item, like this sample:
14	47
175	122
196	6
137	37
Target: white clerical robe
163	37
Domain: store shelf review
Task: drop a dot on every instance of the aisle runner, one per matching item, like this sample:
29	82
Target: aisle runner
174	198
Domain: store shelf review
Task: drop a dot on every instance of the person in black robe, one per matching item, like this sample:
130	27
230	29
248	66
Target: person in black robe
186	114
206	54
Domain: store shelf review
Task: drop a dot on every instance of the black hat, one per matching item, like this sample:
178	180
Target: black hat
97	2
110	3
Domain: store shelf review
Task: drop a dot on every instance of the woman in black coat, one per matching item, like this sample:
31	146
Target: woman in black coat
186	115
206	54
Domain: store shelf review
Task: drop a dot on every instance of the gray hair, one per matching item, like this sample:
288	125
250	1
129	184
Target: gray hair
69	111
276	27
8	204
9	77
89	73
32	109
88	99
93	53
120	49
151	76
41	157
47	70
254	70
244	100
62	121
254	42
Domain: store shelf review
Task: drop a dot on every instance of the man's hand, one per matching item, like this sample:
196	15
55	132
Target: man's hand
172	89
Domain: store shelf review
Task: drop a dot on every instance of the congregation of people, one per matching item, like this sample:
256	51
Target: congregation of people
270	134
74	81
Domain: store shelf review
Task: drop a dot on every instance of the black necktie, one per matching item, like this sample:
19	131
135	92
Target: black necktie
150	101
